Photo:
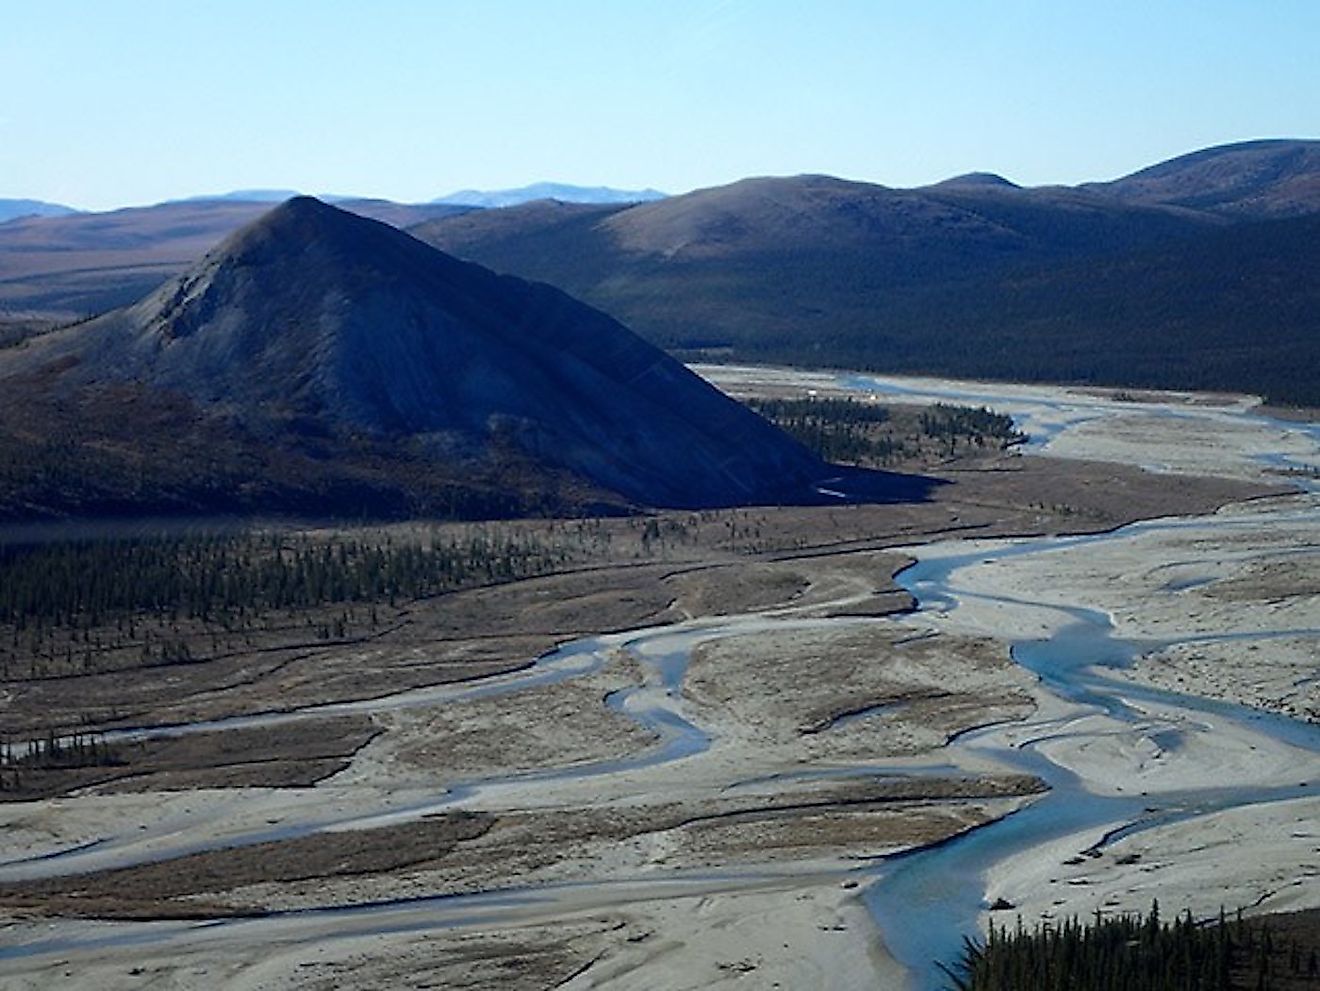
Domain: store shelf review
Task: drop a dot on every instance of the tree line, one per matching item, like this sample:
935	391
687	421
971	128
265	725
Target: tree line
1138	952
979	425
839	430
209	578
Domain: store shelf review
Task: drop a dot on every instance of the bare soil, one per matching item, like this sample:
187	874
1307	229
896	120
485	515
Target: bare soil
155	890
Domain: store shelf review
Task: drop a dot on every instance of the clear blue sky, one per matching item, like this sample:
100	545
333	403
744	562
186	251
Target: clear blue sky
113	102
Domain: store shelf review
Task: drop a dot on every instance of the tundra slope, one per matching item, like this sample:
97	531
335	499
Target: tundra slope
1194	274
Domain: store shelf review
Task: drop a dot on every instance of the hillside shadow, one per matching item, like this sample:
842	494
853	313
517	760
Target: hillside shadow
850	484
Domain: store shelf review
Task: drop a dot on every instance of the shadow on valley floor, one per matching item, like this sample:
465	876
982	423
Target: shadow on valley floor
851	484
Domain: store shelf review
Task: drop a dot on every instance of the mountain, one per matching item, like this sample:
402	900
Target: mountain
768	252
1252	180
11	209
822	271
324	353
548	191
932	227
70	266
790	266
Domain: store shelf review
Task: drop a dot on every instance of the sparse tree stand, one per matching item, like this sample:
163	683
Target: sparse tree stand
848	431
53	751
63	607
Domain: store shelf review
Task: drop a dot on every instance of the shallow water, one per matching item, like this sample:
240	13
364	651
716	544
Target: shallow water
928	901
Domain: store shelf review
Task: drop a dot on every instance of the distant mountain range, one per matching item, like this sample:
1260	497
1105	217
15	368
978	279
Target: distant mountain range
10	209
549	191
247	196
1197	272
318	361
72	266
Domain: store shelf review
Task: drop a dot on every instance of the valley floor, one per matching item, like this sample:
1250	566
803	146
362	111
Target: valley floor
707	784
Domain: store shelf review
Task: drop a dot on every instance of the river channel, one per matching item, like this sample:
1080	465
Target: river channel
1120	757
927	901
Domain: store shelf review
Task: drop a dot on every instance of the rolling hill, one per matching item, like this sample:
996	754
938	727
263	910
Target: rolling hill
1253	179
816	270
799	268
321	361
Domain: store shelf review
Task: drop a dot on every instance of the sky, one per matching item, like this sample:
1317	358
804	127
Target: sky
107	103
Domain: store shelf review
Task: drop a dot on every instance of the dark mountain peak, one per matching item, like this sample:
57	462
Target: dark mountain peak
285	269
311	318
274	268
299	206
300	223
324	242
